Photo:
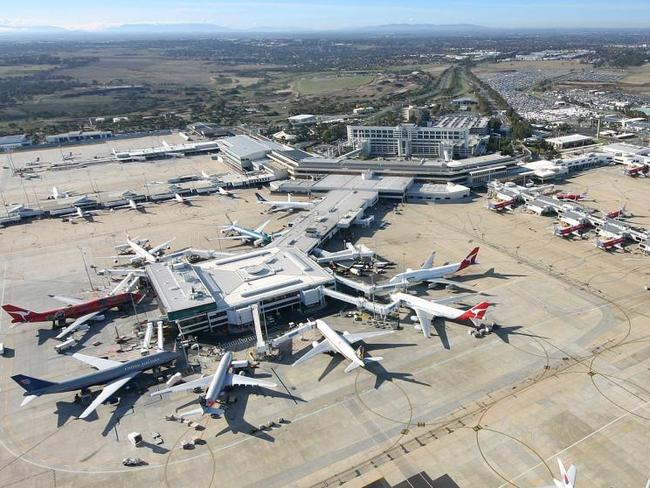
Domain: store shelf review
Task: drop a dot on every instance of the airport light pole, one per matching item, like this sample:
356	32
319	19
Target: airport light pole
83	257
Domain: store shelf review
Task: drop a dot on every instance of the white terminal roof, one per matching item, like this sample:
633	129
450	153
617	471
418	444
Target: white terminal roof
570	138
235	281
245	147
624	148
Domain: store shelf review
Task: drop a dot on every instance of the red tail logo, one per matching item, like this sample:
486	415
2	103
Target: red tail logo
17	314
476	312
470	259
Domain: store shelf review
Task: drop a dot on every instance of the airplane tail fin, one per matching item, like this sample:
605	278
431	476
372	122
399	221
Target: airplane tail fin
259	197
429	262
30	384
17	314
470	259
476	313
568	475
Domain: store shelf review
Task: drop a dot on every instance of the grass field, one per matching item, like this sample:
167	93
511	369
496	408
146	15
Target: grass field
531	65
321	84
23	69
639	75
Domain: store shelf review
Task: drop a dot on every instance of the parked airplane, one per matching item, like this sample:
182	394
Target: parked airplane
569	230
178	198
141	254
616	214
226	193
222	379
568	476
427	310
572	196
58	194
342	344
82	311
611	243
113	374
638	169
501	205
436	275
257	236
281	205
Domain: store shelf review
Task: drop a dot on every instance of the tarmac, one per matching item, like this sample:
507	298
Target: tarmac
566	374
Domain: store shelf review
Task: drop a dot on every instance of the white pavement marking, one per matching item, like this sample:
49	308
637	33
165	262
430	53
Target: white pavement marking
588	436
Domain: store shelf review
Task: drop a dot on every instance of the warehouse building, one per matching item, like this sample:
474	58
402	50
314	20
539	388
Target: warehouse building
570	141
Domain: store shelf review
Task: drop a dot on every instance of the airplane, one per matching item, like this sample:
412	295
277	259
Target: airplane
58	194
82	311
126	249
574	197
82	214
341	344
287	206
501	205
427	310
178	198
222	379
435	275
257	236
113	374
141	254
568	476
226	193
569	230
611	243
635	170
616	214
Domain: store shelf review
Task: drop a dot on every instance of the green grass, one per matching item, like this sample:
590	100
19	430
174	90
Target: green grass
323	84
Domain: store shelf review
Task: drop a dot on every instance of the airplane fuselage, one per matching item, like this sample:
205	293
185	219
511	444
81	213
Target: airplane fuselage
218	382
76	311
107	375
432	308
426	274
339	343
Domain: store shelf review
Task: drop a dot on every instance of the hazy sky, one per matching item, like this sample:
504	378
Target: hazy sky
328	13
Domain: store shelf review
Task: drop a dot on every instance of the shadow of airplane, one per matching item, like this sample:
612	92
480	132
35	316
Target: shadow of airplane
66	410
381	375
504	333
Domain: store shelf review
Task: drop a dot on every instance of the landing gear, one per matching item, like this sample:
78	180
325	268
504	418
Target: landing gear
484	329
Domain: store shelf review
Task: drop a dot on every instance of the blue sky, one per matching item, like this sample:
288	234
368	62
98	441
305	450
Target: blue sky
329	13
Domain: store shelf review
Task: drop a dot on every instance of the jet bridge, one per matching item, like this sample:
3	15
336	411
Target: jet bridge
367	289
378	308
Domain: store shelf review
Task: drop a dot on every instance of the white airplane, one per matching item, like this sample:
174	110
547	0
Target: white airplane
226	193
58	194
257	236
82	214
435	275
223	378
342	344
141	254
427	310
178	198
280	205
126	249
568	477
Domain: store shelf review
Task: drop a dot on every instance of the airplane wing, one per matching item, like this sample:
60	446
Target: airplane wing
322	347
76	324
107	392
240	380
67	300
454	298
425	319
352	338
443	281
97	363
160	247
261	227
201	382
230	238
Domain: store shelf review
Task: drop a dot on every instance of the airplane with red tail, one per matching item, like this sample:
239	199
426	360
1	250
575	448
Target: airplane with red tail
82	311
568	231
501	205
573	197
611	243
616	214
636	170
